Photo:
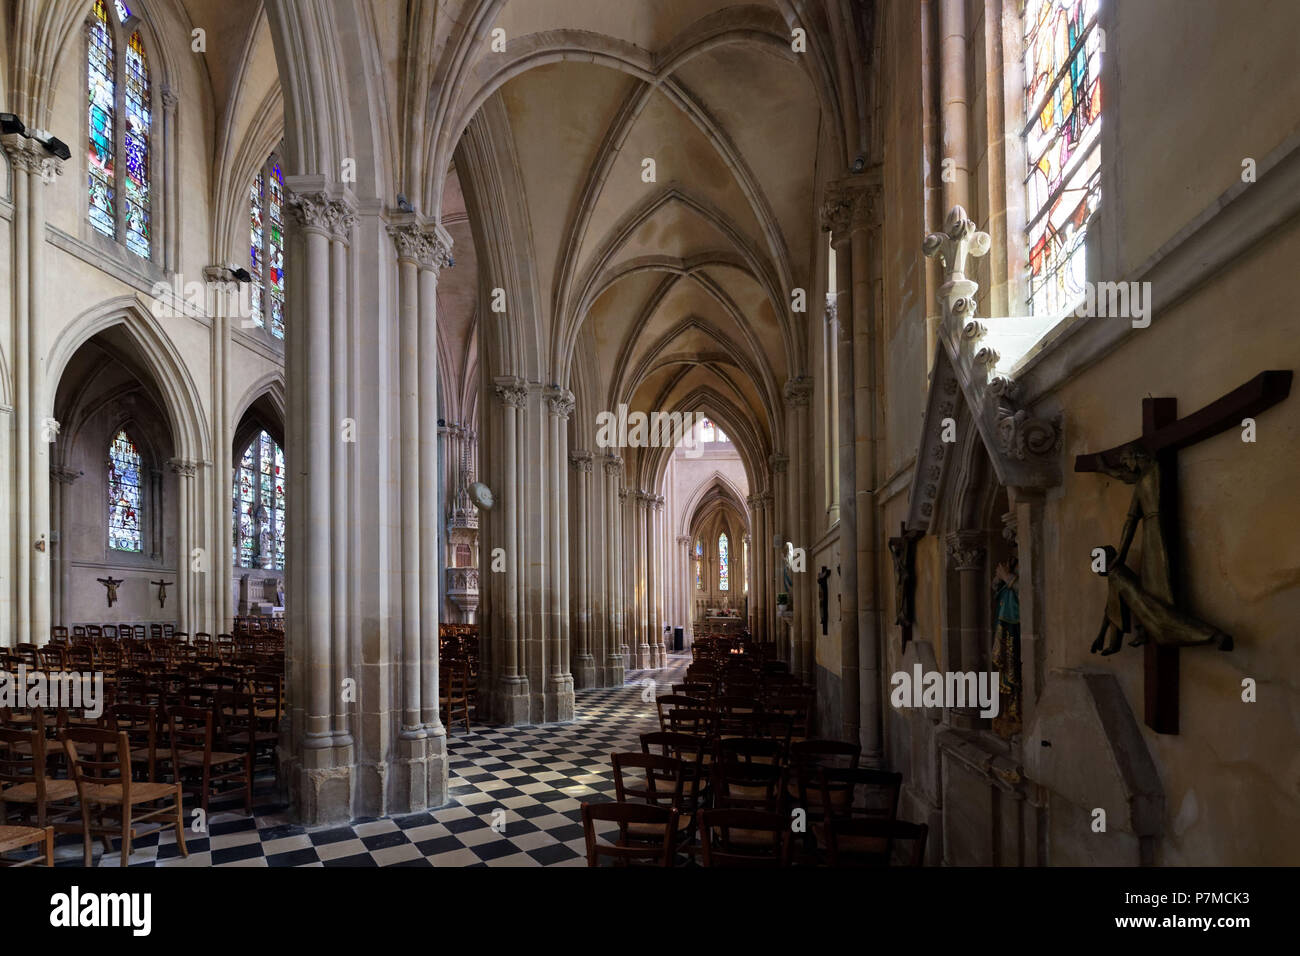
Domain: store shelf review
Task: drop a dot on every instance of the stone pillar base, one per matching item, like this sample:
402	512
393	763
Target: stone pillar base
323	795
420	766
559	698
510	703
584	672
644	658
612	674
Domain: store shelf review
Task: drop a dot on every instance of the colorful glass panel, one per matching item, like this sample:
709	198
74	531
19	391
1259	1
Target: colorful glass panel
1062	135
275	249
699	565
101	98
256	245
724	564
138	122
124	495
259	507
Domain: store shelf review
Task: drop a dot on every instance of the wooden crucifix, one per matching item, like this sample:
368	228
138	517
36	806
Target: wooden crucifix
162	591
110	585
1150	602
902	550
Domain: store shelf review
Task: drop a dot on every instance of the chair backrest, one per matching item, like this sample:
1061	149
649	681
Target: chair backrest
863	841
859	792
110	631
624	815
140	724
666	702
660	783
22	752
808	757
751	750
747	784
108	765
78	630
744	837
692	720
190	732
94	631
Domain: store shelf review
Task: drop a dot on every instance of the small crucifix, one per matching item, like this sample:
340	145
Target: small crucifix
1148	603
162	591
110	584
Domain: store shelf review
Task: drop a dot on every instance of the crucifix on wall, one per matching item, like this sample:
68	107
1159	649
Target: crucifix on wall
162	591
1147	602
110	585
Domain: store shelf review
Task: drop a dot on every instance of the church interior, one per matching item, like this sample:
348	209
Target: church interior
682	433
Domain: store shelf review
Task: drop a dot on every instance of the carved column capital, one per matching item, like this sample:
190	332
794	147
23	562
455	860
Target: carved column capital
185	467
341	218
613	465
512	396
684	539
169	98
798	391
561	403
581	461
64	476
778	463
966	550
31	157
311	211
850	205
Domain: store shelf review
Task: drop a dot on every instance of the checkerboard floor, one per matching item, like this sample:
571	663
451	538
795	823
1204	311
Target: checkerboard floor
537	777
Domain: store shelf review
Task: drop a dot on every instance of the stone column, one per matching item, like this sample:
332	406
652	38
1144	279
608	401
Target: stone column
584	671
559	691
798	397
222	560
341	220
967	555
686	594
187	613
65	477
512	695
778	511
310	609
657	563
616	652
171	204
32	168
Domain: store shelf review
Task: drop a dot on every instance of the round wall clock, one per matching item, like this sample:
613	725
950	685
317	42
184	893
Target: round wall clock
481	495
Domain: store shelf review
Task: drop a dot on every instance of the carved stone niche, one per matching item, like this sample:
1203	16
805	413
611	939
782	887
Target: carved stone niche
1084	747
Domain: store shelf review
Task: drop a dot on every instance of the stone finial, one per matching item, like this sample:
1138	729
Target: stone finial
958	240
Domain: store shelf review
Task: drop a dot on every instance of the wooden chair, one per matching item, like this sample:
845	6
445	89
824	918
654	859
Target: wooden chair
94	632
692	720
748	784
664	703
807	758
58	634
155	632
78	630
855	794
140	724
744	838
192	738
17	838
845	839
23	776
453	692
104	781
624	852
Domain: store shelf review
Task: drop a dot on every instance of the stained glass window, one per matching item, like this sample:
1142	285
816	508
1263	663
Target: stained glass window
259	506
706	430
256	243
724	564
124	495
1063	121
699	565
101	95
138	120
266	246
118	89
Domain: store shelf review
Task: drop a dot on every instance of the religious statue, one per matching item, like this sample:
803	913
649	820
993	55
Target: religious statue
1150	597
822	577
162	591
110	583
903	551
1006	646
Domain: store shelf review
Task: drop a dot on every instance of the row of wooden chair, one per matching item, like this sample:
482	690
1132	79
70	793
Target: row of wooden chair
115	766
